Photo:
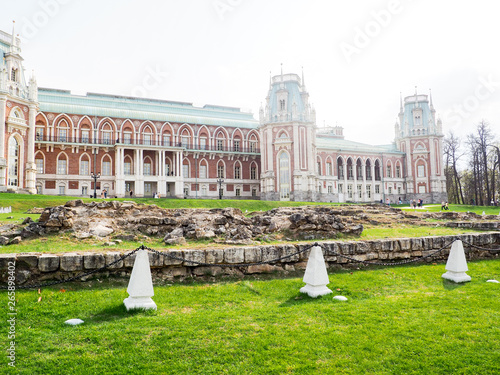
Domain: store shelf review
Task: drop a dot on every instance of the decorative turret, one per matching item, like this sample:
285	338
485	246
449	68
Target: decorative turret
33	89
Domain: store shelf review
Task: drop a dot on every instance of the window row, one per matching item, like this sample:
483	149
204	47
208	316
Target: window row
350	170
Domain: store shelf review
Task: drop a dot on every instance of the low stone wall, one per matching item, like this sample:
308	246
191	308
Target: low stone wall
36	267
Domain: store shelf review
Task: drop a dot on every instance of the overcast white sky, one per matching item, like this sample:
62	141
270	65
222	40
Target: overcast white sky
357	56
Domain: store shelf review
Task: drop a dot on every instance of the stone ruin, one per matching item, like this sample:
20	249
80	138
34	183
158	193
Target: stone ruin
128	220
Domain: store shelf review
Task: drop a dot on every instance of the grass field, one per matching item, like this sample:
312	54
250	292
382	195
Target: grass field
399	320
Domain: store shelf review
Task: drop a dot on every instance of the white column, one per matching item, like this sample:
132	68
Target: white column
3	162
30	164
363	171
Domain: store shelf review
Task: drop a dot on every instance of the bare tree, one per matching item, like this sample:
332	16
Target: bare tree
453	154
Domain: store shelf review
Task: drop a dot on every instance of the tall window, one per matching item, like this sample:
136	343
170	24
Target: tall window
220	145
147	169
237	172
63	134
185	141
340	168
127	138
62	166
84	167
330	189
284	163
253	146
39	134
13	162
106	137
420	170
203	143
236	145
220	171
238	192
360	192
106	168
253	172
341	188
185	170
377	189
127	168
13	75
62	190
329	168
166	139
389	171
203	171
318	168
398	171
85	136
368	191
349	191
146	137
39	165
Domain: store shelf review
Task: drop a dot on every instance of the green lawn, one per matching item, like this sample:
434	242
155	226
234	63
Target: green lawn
488	210
398	320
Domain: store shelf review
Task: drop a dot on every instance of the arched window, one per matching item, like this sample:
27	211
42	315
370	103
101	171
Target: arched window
350	171
340	167
221	141
106	166
359	170
107	133
220	170
253	172
40	164
62	131
13	162
85	165
147	170
127	166
368	169
284	163
237	171
62	164
377	170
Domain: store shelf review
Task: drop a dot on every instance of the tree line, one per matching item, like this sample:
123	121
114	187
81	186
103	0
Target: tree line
472	167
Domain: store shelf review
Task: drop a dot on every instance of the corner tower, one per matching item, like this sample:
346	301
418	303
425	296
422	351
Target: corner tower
18	109
419	135
287	129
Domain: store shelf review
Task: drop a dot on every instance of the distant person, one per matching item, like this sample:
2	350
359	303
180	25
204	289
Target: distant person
105	193
446	206
414	204
388	202
131	193
400	201
102	194
443	206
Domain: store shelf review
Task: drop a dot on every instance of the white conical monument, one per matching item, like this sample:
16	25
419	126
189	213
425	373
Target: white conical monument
316	277
456	266
140	286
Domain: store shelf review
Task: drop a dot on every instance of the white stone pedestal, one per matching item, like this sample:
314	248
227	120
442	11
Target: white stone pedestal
316	277
140	286
456	266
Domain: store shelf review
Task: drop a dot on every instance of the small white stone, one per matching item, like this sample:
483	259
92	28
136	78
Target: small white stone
493	281
340	298
74	322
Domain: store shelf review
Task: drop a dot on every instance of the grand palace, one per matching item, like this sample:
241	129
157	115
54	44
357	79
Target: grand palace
54	142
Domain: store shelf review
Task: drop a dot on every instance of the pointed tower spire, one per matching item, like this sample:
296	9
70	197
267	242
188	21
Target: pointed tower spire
303	80
430	99
281	72
270	80
416	97
400	102
13	33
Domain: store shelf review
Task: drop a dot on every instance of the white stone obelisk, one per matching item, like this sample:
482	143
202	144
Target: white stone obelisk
316	277
456	266
140	286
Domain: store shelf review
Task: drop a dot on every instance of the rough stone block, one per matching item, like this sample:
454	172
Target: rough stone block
362	247
5	259
288	250
404	244
168	261
207	271
376	245
31	260
263	268
214	256
416	243
301	265
235	255
155	259
48	263
304	254
330	250
111	257
194	255
269	253
91	261
371	256
129	260
179	271
253	254
71	262
387	245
